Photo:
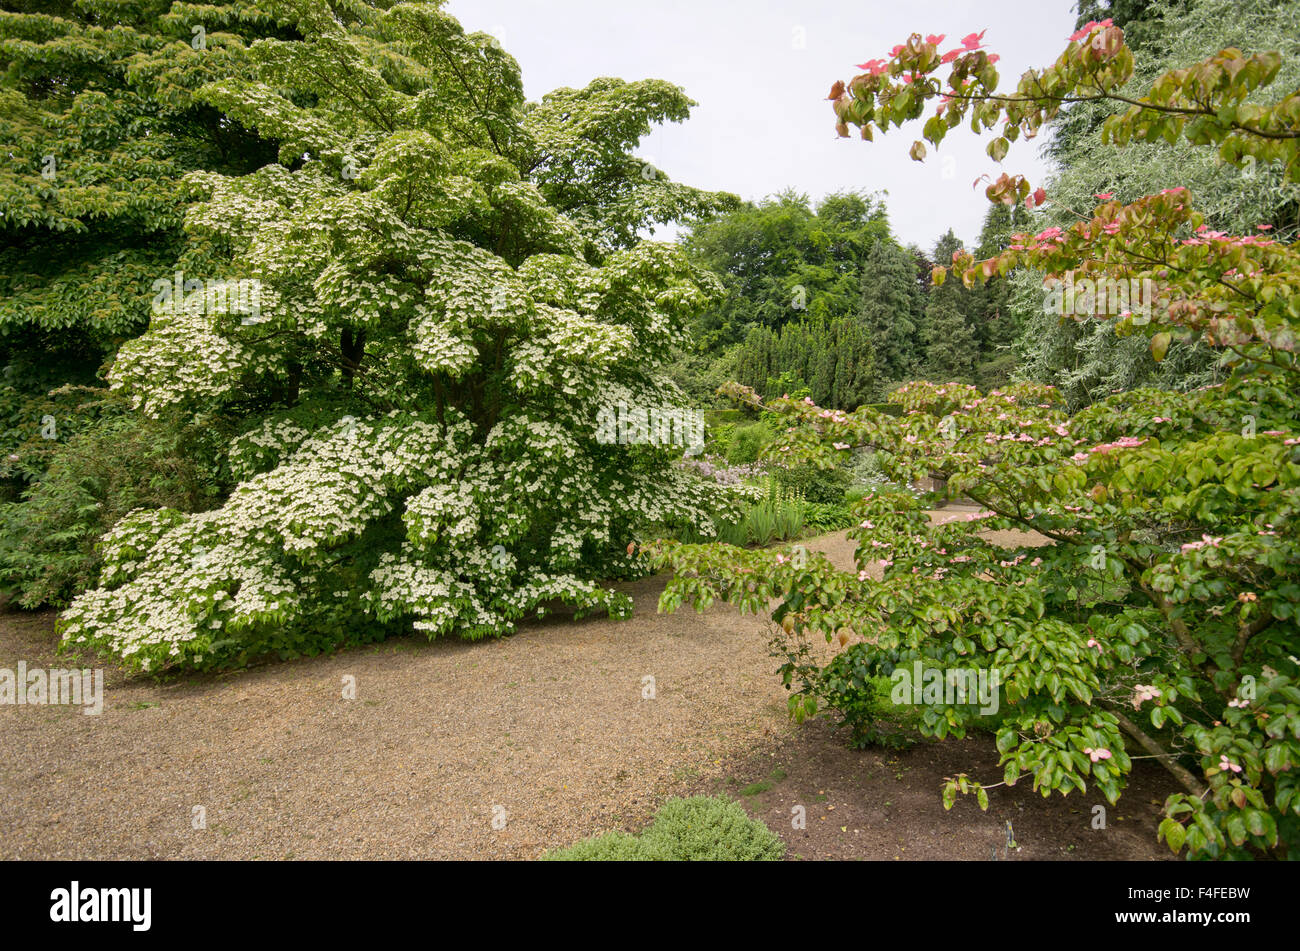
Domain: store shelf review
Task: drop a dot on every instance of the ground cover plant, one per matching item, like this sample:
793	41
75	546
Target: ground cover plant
697	829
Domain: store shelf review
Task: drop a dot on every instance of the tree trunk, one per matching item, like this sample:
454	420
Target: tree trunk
353	349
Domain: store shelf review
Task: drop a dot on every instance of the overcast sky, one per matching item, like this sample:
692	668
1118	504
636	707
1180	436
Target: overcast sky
760	71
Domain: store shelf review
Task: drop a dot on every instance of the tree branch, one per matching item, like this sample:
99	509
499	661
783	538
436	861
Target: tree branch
1167	759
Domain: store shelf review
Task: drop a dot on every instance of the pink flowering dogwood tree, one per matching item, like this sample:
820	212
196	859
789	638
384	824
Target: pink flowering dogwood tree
1153	611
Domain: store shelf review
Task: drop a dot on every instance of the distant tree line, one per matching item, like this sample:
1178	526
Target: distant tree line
823	300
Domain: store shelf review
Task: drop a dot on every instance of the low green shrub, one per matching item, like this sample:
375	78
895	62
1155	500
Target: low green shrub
860	695
610	847
718	438
746	442
121	462
864	705
698	829
827	517
816	485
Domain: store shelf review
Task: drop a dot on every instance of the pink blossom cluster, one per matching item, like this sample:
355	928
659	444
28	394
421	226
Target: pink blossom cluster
1143	693
1124	442
1204	236
1088	28
1205	540
877	67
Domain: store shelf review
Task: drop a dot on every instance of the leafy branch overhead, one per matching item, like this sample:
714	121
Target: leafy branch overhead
1204	103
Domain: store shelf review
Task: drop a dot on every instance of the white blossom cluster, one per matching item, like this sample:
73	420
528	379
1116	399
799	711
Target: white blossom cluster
264	446
187	594
438	341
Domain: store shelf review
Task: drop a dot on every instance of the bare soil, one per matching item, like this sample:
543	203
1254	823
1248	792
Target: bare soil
885	804
551	730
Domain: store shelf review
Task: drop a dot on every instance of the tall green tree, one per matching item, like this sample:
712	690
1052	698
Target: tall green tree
99	126
782	260
835	359
99	123
951	342
579	156
890	311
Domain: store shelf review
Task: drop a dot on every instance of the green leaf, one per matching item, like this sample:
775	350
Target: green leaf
1174	834
1236	826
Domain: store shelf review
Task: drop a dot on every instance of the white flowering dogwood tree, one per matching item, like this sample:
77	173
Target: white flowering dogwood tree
442	286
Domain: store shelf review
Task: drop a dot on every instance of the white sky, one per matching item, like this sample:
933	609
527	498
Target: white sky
760	71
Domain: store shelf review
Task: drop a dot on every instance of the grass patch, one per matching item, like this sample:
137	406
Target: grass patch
763	785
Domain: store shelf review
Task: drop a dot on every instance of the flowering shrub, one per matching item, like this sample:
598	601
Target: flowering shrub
722	472
1156	609
441	316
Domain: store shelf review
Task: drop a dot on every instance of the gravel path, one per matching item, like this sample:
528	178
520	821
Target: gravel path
547	730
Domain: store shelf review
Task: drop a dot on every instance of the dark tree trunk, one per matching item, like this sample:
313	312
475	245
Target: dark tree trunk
294	382
353	349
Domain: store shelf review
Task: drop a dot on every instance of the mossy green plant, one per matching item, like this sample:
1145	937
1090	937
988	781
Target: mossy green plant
701	828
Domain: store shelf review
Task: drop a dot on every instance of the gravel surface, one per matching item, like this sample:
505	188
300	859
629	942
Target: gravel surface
547	730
